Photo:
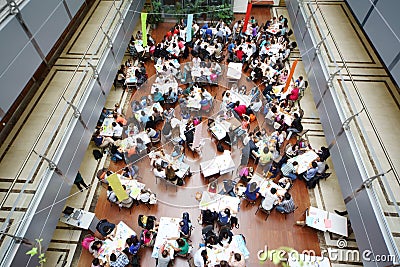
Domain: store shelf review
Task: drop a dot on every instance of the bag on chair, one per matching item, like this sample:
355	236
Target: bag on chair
86	241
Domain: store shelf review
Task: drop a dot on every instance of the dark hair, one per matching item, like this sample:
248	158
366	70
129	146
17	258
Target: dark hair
227	211
238	257
287	196
204	253
314	164
295	163
223	264
180	242
95	243
273	190
109	188
274	109
165	253
113	257
95	261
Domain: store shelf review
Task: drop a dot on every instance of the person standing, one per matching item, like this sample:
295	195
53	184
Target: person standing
79	182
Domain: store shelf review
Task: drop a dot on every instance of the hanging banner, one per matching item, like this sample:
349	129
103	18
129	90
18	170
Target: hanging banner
290	76
246	19
116	186
189	28
144	31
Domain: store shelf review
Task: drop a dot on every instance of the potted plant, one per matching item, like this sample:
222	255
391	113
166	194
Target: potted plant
154	18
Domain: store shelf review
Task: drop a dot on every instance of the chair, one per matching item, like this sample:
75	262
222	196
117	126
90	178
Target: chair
156	139
135	169
260	208
249	201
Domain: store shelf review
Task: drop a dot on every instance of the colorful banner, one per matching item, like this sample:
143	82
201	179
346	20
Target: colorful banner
189	28
246	19
290	76
116	186
144	30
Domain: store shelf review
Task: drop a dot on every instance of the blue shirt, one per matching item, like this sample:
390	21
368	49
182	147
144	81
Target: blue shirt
231	46
251	195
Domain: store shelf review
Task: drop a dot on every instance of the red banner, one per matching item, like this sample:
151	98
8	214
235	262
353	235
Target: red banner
246	19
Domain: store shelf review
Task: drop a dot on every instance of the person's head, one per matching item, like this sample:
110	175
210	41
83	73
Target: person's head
227	211
96	262
295	163
223	263
180	242
113	257
274	109
273	190
240	48
265	150
135	240
225	235
301	78
129	241
252	187
287	196
295	115
96	245
109	188
238	257
165	253
107	229
314	164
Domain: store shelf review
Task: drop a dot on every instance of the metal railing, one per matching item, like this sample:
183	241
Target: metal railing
63	115
355	114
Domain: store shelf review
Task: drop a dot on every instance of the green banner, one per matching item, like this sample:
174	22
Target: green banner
144	31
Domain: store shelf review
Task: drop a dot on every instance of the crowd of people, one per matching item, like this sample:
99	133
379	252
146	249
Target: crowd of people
264	50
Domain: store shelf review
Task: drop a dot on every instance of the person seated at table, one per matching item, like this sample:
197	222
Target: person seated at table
127	202
164	258
294	94
289	169
246	174
225	237
287	204
133	244
111	195
144	118
97	263
184	228
251	192
224	217
158	96
228	188
285	183
159	172
170	173
200	258
171	96
240	55
256	105
296	125
205	104
178	153
126	173
239	109
208	217
311	171
147	238
236	260
292	150
151	133
104	114
252	144
270	200
323	153
95	247
120	119
183	247
117	130
101	141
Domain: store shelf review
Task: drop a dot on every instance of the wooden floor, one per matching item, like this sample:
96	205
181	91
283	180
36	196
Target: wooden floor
274	233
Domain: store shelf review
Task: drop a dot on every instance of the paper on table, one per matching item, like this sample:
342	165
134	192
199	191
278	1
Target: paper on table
328	223
309	220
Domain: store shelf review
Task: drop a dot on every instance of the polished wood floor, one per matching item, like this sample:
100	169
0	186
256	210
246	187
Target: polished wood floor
277	231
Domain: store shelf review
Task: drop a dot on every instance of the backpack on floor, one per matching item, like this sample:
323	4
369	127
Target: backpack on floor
97	154
312	183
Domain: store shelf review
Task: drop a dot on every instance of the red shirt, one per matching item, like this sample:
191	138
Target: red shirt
239	54
294	95
240	110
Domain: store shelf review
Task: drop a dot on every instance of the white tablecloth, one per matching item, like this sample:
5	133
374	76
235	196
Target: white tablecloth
304	160
217	202
168	228
106	128
234	70
221	164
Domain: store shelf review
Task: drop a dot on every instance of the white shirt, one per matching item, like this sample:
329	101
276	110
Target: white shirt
269	201
198	259
117	130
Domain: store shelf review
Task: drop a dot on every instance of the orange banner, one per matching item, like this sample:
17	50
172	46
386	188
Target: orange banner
290	76
246	19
